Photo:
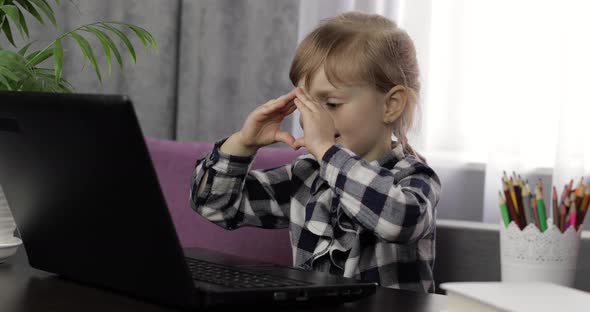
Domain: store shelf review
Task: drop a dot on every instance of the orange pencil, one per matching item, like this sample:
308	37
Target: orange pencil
580	186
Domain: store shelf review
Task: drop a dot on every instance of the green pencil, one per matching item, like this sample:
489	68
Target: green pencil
503	209
541	209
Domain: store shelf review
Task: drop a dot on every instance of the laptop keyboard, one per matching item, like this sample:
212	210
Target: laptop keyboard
233	278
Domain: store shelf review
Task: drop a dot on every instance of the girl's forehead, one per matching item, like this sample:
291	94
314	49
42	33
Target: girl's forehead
319	83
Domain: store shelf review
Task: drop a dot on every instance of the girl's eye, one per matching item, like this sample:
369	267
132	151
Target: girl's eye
332	105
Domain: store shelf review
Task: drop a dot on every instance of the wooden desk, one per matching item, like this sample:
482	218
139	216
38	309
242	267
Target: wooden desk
24	289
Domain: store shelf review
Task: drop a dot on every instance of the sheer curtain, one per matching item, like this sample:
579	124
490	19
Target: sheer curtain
508	79
504	85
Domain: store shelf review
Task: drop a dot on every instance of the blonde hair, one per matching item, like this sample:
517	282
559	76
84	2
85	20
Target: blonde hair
360	48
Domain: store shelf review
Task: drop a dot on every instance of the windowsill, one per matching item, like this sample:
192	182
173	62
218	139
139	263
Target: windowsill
459	224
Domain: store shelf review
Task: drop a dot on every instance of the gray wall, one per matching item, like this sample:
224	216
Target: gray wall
468	251
234	56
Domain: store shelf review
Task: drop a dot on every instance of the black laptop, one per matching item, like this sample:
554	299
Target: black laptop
88	205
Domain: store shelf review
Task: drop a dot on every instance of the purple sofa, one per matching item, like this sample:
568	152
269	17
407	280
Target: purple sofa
174	161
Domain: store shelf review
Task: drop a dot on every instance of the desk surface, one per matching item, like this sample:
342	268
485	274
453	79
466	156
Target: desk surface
24	289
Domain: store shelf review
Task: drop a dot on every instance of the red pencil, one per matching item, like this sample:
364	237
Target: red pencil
534	209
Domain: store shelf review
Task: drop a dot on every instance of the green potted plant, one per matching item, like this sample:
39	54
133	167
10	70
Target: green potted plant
20	68
26	69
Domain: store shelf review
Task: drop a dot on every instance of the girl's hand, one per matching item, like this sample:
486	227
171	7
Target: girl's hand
262	126
318	127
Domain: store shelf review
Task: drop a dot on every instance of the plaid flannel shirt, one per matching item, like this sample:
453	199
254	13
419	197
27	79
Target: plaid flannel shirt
371	221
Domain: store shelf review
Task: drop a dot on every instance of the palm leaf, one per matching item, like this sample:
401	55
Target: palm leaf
23	22
13	13
58	58
14	61
8	73
7	31
146	38
4	82
47	76
103	38
14	67
43	6
111	45
123	38
87	51
39	56
24	49
31	9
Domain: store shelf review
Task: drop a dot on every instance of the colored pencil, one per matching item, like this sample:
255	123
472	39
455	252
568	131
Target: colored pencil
561	222
541	209
533	203
503	209
519	200
554	213
510	205
572	214
528	213
513	195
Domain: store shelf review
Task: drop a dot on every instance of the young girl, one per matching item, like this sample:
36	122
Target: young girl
359	204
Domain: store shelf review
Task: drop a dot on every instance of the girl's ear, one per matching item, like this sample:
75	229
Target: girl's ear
394	104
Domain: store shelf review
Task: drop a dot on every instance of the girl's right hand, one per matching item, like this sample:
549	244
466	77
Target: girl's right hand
263	126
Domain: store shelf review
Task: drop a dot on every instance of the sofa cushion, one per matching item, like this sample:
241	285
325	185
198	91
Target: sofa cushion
174	162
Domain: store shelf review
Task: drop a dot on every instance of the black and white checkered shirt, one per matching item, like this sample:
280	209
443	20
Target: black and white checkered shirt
373	221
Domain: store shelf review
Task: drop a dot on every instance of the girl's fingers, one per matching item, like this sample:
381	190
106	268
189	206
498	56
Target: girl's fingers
281	100
289	105
289	110
309	98
305	100
285	137
300	142
302	107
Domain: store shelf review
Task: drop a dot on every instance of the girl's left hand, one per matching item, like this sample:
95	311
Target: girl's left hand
318	127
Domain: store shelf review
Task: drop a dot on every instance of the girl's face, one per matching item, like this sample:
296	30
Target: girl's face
358	114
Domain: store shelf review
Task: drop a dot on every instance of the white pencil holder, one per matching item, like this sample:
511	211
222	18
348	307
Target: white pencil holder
529	255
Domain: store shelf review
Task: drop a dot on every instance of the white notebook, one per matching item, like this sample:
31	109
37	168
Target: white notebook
513	296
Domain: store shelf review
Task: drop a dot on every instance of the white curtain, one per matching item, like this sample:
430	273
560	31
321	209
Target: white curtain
510	78
505	84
